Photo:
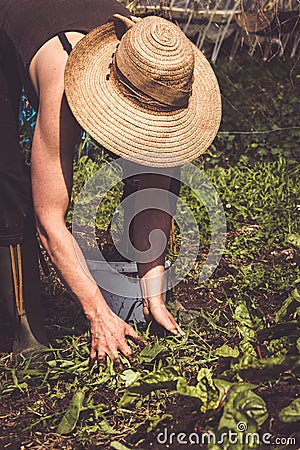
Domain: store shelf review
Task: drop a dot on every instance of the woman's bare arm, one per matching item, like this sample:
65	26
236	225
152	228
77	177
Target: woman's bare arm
55	135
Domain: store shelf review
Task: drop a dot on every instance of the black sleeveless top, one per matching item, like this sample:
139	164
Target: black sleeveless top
26	25
31	23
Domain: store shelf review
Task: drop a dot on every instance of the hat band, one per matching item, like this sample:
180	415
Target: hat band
164	94
136	94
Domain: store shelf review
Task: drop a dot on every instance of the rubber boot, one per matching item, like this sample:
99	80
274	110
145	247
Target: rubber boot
21	297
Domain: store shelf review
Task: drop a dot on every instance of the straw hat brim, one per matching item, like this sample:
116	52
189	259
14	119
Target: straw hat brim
130	130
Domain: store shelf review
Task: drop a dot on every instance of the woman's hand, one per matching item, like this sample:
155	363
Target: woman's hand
109	334
154	308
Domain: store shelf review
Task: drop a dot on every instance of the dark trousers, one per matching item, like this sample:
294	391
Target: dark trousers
15	193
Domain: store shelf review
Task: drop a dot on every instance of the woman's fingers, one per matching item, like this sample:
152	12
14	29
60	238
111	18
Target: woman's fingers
116	359
146	310
167	321
157	310
174	328
111	341
109	336
93	355
133	336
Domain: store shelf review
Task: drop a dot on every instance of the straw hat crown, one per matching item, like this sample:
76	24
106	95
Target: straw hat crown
157	60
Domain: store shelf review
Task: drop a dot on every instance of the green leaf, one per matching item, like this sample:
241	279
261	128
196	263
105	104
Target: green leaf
294	239
230	420
242	387
243	410
154	421
127	398
223	387
71	416
161	379
129	376
286	328
52	363
189	391
149	353
296	294
281	346
246	328
266	368
227	352
247	348
106	427
252	405
118	446
290	307
209	394
290	413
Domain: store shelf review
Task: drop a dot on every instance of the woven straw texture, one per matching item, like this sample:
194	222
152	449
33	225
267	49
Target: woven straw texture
129	122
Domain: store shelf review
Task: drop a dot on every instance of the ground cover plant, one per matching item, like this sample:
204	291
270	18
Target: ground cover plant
234	377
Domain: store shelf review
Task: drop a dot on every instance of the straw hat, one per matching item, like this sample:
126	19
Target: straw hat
152	99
